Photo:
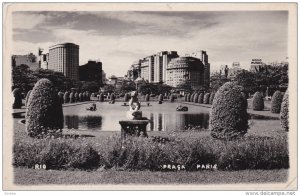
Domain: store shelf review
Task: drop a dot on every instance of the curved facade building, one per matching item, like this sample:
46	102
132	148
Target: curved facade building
65	58
185	70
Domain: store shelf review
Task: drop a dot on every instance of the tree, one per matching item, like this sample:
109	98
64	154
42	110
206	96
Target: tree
22	78
109	88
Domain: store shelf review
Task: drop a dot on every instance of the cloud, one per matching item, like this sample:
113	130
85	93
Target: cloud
23	20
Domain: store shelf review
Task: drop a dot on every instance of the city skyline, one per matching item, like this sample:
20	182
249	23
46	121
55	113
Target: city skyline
119	38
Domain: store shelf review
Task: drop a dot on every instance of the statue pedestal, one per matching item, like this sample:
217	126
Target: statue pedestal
133	128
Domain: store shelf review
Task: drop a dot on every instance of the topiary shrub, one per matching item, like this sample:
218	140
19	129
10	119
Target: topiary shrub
196	97
88	96
126	97
229	118
160	98
17	93
80	97
200	98
44	111
112	97
284	112
66	97
172	98
188	97
211	98
72	97
61	97
192	97
27	97
206	98
84	96
276	102
258	102
101	97
147	97
76	96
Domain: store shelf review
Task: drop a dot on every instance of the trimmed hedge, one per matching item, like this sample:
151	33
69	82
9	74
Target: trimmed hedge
258	102
276	102
245	99
196	96
188	97
66	97
144	154
211	98
284	112
80	97
76	96
88	96
44	112
206	98
17	93
27	97
200	98
229	118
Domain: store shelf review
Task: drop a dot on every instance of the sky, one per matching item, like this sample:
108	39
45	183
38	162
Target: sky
118	39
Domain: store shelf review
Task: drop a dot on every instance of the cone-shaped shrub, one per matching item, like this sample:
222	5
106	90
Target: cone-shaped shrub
258	102
27	97
72	97
76	96
172	98
229	118
84	96
206	98
80	96
284	112
66	97
17	93
61	97
126	97
192	97
188	97
44	111
200	98
196	97
112	97
101	97
185	97
147	97
160	98
276	102
211	98
88	96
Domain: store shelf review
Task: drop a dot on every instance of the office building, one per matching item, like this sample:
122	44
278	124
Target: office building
64	58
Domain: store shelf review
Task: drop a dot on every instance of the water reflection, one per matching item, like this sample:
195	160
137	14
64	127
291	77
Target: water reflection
158	121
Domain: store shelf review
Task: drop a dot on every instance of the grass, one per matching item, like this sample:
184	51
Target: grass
38	177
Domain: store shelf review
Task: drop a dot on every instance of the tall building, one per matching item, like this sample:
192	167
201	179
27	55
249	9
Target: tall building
43	59
65	58
91	71
185	70
28	59
161	61
135	70
147	68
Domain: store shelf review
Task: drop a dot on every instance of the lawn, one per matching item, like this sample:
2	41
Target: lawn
259	128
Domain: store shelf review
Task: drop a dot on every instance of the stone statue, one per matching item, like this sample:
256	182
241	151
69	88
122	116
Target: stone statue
134	106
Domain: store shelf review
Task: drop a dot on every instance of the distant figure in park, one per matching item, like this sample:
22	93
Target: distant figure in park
93	107
134	106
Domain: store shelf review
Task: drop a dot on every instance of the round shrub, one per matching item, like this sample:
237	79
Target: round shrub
196	97
200	98
17	93
229	118
206	98
211	98
44	111
66	97
160	98
258	102
27	97
147	97
76	96
101	97
276	102
80	97
284	112
72	97
61	97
